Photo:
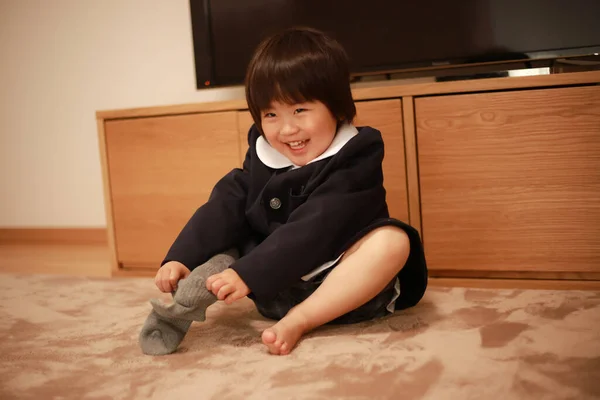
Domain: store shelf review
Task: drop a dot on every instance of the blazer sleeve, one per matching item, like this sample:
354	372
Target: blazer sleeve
217	225
349	199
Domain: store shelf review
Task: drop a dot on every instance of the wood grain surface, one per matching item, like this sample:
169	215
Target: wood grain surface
386	116
161	170
245	121
510	181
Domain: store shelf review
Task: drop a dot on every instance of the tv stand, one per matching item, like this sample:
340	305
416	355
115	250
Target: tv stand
500	175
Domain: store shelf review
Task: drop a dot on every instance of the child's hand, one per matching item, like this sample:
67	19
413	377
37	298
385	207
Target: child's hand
169	274
227	286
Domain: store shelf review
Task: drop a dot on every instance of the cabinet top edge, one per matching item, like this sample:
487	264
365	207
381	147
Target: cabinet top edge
378	91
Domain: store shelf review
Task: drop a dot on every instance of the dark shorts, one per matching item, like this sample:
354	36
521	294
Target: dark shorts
412	279
279	306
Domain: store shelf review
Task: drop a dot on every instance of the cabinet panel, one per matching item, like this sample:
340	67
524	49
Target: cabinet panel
510	181
245	121
386	116
161	169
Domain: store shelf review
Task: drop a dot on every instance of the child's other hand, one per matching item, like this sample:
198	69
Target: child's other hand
169	274
227	286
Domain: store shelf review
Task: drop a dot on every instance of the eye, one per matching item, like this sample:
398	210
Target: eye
268	115
299	110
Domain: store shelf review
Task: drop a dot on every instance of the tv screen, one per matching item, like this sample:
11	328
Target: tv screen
394	35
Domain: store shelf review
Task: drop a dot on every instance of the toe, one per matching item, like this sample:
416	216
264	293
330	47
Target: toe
269	337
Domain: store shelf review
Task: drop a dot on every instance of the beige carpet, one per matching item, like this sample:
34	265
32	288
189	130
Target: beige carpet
76	338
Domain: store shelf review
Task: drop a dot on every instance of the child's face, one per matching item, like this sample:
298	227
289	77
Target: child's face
301	132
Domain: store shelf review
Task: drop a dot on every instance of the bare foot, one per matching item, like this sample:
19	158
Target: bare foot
283	336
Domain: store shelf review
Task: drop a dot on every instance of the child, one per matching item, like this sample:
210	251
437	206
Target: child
307	212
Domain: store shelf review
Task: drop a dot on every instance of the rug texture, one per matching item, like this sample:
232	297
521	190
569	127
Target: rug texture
76	338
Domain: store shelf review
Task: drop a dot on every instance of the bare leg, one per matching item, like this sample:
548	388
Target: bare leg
366	268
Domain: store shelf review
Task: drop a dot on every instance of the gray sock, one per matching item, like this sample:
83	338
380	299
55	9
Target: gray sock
167	325
160	336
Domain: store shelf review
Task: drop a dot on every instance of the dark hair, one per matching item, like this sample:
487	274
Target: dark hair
297	65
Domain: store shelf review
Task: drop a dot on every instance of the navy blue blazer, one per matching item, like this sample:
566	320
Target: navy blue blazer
287	222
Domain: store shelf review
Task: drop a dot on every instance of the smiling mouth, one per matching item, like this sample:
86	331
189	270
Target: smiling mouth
297	145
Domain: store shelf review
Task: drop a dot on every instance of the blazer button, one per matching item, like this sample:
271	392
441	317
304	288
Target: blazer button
275	203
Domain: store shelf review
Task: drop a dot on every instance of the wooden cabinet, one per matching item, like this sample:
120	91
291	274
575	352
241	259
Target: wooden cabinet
510	181
160	170
386	115
244	121
501	176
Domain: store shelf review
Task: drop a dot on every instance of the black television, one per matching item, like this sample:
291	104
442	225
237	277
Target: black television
390	36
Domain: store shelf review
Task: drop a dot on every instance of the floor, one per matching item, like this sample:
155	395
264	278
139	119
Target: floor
92	260
78	260
74	337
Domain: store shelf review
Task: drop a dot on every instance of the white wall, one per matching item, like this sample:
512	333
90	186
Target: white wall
60	62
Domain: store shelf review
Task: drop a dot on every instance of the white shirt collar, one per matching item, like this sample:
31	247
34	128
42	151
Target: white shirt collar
274	159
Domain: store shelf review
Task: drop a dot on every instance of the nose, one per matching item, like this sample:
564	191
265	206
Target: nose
288	128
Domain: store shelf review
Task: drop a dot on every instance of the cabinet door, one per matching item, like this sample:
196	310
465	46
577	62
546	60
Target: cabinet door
160	170
510	181
386	116
245	121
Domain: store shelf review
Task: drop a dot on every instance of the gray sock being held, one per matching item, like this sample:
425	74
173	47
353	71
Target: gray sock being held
167	325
